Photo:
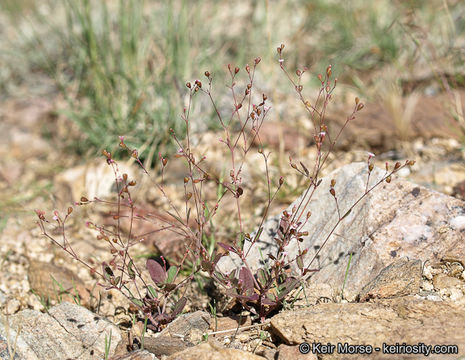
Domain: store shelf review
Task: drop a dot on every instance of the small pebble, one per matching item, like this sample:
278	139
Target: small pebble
455	294
427	273
458	222
12	307
433	297
427	286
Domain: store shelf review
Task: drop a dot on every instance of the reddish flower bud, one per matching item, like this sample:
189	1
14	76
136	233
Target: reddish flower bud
236	70
397	165
388	179
332	191
188	84
70	210
257	60
207	74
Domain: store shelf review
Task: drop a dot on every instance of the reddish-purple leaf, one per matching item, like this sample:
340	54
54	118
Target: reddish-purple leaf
156	271
247	280
289	285
228	247
267	301
179	306
252	298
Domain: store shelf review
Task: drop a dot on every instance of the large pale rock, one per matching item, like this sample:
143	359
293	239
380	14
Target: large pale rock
400	320
95	179
211	351
165	345
52	282
182	333
395	220
401	278
67	331
184	324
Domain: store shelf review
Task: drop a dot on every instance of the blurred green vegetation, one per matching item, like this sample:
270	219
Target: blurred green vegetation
122	65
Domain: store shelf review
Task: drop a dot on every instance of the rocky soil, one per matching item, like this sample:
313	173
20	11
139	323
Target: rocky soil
405	284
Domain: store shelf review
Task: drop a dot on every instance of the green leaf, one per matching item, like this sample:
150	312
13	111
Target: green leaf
188	214
262	276
220	276
176	217
179	306
132	273
257	236
171	274
346	214
300	261
137	302
152	291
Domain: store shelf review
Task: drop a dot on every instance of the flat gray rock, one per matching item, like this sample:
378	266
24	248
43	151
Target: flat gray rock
395	220
400	320
136	355
67	331
401	278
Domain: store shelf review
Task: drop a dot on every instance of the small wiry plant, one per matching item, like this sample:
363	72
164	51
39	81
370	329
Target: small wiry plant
263	290
121	273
